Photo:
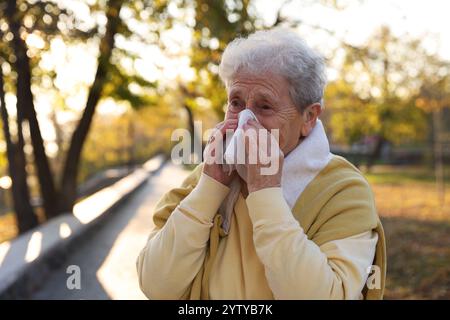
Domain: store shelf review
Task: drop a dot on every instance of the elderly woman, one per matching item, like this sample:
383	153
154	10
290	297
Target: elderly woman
309	231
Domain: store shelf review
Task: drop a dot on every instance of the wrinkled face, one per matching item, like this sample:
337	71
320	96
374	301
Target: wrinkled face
267	95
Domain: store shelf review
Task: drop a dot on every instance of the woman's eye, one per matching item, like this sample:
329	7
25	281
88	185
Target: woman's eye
235	104
266	107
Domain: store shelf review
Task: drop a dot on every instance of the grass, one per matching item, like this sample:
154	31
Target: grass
418	258
417	227
400	175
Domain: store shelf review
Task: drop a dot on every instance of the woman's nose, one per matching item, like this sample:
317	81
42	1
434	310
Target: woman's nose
248	107
246	115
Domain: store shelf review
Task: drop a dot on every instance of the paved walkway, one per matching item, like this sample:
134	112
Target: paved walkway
107	256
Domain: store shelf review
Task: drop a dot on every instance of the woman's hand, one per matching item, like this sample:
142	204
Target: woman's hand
262	175
211	166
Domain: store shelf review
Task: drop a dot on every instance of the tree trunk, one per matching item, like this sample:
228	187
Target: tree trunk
376	153
131	161
191	125
68	191
26	219
59	139
25	105
195	139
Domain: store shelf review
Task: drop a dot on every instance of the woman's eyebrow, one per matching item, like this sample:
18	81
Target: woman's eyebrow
265	96
235	93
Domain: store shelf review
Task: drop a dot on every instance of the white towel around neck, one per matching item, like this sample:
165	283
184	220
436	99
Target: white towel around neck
303	163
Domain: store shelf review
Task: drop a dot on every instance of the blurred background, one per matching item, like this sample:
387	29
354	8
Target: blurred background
91	89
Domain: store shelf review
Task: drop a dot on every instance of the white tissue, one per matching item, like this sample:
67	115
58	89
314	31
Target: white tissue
231	149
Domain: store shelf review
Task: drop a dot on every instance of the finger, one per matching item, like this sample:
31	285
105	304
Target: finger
247	126
217	126
231	115
255	124
229	124
221	127
217	137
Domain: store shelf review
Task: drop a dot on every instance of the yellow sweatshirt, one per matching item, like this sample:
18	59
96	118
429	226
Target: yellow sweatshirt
321	249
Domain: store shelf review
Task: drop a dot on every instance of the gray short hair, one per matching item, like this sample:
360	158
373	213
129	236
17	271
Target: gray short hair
281	51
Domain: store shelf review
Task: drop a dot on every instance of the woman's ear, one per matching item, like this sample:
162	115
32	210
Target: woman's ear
310	115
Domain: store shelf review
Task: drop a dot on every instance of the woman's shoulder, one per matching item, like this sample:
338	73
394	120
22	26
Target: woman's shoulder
338	162
340	170
338	187
339	197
